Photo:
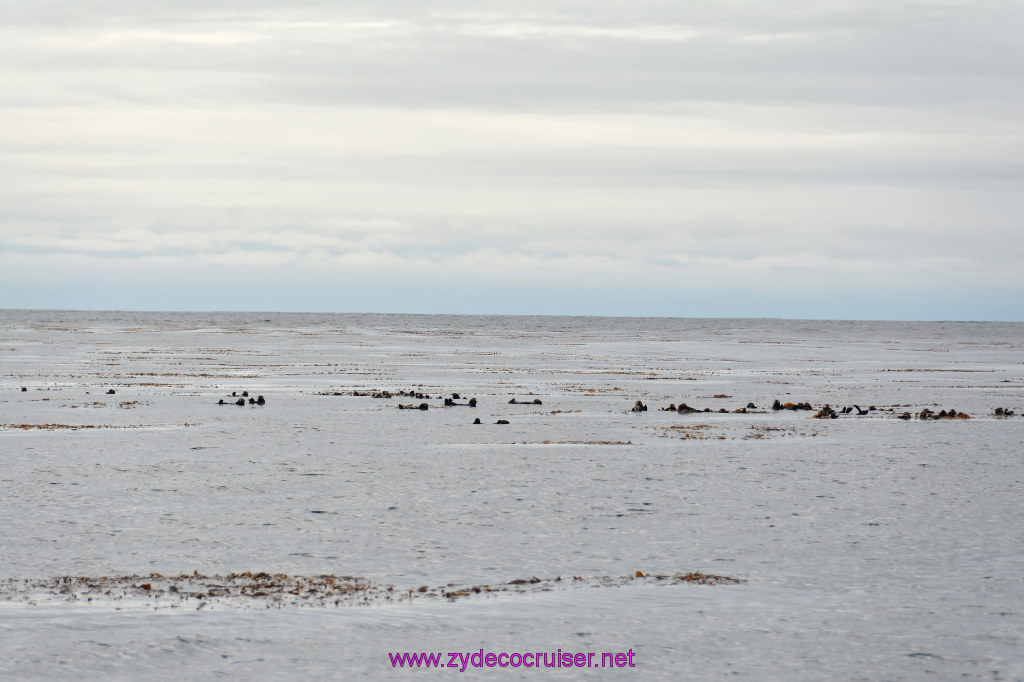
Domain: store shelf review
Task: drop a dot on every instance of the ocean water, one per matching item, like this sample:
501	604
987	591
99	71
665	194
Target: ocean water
868	546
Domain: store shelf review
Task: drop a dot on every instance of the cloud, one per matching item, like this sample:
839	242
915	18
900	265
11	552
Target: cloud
395	54
720	146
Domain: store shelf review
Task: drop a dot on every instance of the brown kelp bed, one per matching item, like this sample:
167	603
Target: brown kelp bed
86	427
263	590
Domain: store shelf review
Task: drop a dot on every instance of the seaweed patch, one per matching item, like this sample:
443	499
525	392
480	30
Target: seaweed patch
263	590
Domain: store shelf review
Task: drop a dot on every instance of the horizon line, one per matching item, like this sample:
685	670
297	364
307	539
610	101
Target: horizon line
463	314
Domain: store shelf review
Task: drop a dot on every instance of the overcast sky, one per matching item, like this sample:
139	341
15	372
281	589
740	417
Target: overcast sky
731	158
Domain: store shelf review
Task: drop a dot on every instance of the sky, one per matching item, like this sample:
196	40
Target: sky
735	158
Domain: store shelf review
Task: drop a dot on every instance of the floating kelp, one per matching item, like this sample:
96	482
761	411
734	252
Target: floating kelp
575	442
262	590
80	427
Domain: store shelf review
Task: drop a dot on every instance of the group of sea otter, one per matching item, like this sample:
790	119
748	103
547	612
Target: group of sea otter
826	412
259	400
448	402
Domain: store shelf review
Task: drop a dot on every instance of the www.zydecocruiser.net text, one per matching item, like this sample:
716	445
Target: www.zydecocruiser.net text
462	660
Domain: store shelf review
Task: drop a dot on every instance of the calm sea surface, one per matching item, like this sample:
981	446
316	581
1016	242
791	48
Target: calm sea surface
870	547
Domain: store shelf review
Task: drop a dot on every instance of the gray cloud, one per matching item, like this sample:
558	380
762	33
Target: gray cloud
721	145
391	54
